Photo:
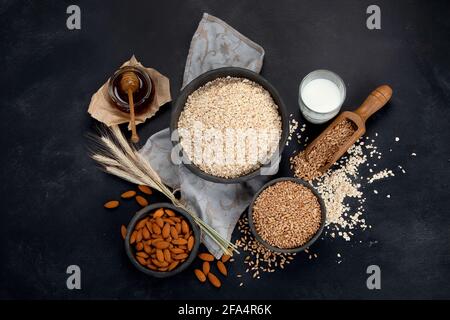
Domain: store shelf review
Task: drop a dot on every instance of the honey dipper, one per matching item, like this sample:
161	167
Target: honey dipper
374	102
129	83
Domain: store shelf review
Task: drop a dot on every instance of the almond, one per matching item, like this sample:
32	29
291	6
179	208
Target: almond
133	237
181	256
159	222
173	265
111	204
145	189
142	201
222	268
152	267
206	267
140	224
172	223
169	212
163	269
179	241
141	260
206	257
184	227
176	219
200	275
148	224
178	228
128	194
167	255
145	233
139	246
156	262
161	245
159	255
156	229
190	243
173	233
225	258
158	213
214	280
139	236
142	254
176	250
166	230
147	248
123	231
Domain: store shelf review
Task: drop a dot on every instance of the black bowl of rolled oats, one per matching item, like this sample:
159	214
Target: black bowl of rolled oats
287	215
229	125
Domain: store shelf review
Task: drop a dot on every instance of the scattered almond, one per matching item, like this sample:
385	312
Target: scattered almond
206	267
111	204
141	201
145	189
123	231
200	275
221	267
214	280
225	258
128	194
206	257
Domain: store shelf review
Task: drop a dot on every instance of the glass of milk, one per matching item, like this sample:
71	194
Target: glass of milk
321	95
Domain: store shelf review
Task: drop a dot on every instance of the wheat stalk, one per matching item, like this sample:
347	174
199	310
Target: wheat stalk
117	157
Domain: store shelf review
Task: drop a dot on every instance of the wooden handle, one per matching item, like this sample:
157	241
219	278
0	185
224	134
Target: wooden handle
134	136
374	102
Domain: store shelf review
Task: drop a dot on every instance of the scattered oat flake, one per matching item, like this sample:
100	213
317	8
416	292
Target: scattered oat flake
381	175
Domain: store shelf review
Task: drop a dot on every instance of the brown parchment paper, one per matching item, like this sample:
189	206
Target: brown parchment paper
104	110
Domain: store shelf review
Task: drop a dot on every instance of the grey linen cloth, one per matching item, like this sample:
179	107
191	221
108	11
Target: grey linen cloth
215	44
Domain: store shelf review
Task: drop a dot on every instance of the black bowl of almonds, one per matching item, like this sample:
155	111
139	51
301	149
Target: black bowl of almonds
162	240
287	215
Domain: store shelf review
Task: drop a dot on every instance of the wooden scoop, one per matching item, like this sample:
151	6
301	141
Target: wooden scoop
129	83
374	102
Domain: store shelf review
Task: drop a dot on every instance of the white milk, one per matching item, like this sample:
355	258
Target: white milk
321	95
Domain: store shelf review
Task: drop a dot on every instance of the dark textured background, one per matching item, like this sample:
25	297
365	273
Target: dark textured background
52	193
